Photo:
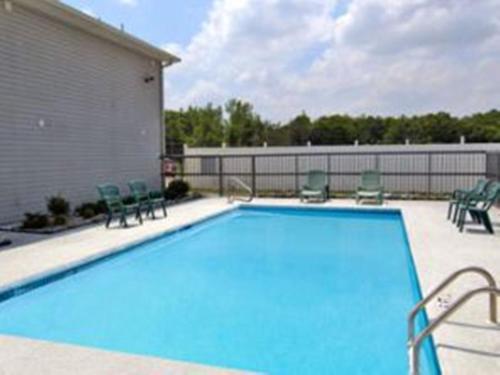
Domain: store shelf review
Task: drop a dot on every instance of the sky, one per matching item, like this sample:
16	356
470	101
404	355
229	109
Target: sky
377	57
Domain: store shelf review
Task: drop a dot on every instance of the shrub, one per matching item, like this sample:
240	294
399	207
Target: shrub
60	220
87	210
58	206
35	221
88	213
177	189
100	207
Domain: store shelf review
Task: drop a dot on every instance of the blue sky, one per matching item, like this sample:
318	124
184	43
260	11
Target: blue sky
156	21
380	57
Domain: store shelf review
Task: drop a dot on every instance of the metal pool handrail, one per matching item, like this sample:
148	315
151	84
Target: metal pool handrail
478	270
414	344
414	349
234	182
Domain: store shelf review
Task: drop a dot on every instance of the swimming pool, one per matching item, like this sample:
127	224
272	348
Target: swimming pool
275	290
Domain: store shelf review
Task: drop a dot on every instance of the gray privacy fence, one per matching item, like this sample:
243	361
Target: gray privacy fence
419	172
493	166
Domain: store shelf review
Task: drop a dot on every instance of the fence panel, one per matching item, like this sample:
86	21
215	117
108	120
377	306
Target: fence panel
493	166
422	172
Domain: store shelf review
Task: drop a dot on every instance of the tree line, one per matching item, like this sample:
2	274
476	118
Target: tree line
237	124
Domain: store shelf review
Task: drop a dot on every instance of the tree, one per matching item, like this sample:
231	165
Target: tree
196	126
481	127
209	128
369	130
243	127
238	125
333	130
299	130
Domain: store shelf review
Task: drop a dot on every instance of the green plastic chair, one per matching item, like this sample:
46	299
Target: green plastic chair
478	205
115	206
371	187
144	197
460	195
316	186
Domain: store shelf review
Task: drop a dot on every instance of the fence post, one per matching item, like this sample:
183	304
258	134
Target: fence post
429	172
221	176
296	174
328	171
254	184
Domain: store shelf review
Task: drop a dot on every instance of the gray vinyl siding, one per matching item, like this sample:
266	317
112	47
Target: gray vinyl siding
102	121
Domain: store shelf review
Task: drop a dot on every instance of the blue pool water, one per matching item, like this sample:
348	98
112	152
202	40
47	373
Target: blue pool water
281	291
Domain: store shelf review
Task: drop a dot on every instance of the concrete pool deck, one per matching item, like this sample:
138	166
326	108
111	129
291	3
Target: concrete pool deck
466	344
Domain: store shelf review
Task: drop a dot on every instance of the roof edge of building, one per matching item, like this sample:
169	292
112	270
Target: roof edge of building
75	18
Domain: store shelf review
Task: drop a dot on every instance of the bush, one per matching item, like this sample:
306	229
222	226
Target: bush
60	220
58	206
35	221
89	210
100	207
177	189
86	210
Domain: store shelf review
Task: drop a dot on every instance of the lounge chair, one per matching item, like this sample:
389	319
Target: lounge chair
478	205
316	187
115	205
460	195
144	197
371	187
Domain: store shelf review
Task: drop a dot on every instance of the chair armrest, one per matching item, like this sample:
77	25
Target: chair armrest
473	199
460	193
156	194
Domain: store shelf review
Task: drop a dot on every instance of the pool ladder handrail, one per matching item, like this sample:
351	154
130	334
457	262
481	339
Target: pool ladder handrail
414	344
234	182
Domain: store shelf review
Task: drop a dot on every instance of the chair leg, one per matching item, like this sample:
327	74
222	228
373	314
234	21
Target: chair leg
138	215
164	209
456	212
152	210
123	220
461	219
108	220
450	209
485	218
457	216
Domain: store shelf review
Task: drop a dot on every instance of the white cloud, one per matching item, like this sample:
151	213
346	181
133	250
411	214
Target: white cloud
378	57
89	12
131	3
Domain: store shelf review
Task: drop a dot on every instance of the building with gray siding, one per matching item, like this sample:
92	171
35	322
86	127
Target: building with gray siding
80	104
